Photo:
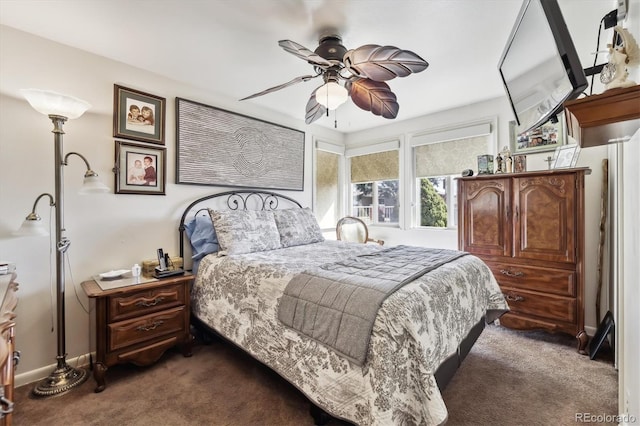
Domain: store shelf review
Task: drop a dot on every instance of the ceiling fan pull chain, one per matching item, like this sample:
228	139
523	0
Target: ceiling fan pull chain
327	103
335	118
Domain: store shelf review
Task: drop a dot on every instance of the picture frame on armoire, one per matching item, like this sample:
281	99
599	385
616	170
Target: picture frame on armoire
566	156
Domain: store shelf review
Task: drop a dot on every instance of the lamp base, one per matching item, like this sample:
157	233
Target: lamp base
61	380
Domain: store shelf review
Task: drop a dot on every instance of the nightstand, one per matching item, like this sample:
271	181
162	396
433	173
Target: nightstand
138	323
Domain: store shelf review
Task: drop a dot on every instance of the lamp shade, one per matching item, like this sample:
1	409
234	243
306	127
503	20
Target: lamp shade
92	185
32	227
331	95
52	103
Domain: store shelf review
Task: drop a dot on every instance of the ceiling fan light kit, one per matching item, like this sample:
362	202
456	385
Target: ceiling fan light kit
363	72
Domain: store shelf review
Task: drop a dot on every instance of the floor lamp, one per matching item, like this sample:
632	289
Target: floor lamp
59	108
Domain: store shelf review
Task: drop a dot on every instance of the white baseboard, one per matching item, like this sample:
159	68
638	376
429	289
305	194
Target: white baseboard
40	373
591	331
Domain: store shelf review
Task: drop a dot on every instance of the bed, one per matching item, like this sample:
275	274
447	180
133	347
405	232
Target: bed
420	334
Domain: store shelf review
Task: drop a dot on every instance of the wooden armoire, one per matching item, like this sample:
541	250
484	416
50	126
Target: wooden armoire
529	229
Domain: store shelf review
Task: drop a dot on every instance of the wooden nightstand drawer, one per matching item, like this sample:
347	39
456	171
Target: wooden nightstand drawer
541	305
547	280
144	302
142	329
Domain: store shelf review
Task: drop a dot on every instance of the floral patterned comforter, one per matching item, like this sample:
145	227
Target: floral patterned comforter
416	329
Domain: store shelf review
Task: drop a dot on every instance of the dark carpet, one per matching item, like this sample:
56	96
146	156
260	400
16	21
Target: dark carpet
509	378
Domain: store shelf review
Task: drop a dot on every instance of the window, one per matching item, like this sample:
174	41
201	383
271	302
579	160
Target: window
375	187
327	184
439	159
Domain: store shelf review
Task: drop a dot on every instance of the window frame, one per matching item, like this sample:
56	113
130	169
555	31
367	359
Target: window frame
484	127
395	144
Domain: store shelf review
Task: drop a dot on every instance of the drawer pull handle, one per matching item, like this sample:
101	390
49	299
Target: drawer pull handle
6	405
147	304
511	274
150	327
511	298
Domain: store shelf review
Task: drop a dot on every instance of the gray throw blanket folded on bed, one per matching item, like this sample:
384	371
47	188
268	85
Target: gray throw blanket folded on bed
337	303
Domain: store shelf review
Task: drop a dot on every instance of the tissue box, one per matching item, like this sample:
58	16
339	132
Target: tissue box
149	266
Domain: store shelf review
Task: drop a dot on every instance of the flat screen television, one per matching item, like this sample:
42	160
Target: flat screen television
540	68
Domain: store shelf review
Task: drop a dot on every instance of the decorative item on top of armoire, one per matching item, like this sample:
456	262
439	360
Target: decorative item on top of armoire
529	228
485	164
519	163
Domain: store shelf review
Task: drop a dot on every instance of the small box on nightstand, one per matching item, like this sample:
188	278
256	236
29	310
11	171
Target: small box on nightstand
149	266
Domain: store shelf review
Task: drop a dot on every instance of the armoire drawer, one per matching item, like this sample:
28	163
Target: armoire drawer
145	302
548	306
545	280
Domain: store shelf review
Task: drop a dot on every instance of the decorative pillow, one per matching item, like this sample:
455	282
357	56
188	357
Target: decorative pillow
202	236
245	231
297	227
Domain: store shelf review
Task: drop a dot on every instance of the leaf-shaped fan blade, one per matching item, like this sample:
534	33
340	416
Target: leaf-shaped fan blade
282	86
374	96
382	63
303	53
315	110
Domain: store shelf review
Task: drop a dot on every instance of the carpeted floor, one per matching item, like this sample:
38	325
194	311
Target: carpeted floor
509	378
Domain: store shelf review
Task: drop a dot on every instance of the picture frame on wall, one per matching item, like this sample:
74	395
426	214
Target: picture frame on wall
140	169
223	148
566	156
138	115
547	137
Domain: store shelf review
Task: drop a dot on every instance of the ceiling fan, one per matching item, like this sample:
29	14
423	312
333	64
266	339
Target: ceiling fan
362	72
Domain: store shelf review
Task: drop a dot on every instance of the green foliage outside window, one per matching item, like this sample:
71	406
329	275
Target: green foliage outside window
433	210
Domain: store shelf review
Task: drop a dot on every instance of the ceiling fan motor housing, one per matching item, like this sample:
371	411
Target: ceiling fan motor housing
331	48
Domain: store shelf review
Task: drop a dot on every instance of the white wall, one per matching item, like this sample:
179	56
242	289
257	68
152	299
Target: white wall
628	268
107	231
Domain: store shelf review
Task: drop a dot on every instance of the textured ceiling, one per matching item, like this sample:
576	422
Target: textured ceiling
230	47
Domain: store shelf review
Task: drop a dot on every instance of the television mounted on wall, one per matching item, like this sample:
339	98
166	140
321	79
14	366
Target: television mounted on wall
540	68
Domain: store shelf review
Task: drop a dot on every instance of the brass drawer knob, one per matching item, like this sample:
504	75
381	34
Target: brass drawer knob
511	274
153	326
512	298
147	304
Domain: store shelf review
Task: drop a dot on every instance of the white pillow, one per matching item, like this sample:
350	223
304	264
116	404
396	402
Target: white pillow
245	231
297	227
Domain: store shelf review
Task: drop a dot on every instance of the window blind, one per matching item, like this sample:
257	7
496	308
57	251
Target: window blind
450	157
375	167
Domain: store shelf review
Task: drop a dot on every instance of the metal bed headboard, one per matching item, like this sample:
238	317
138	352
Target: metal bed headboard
236	200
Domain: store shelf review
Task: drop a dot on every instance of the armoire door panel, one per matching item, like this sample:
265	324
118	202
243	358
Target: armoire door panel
487	217
545	218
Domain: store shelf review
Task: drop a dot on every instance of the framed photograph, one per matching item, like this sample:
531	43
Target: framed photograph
223	148
547	137
138	115
140	169
485	164
566	156
519	163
